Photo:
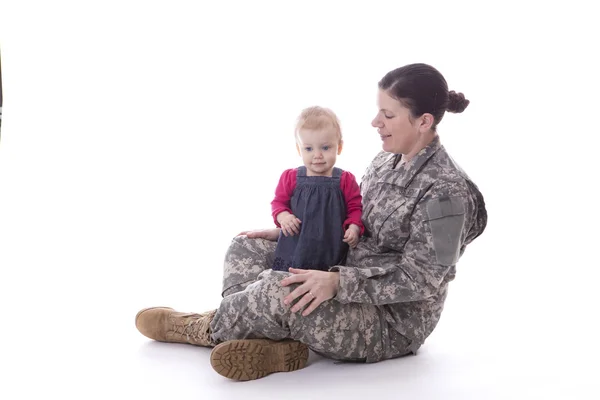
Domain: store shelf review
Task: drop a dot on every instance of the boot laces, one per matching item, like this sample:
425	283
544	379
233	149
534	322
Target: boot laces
198	327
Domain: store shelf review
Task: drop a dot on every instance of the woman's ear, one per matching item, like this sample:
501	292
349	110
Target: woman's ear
340	147
426	122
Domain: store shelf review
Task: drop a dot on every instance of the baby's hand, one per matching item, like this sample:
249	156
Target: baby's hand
352	235
290	225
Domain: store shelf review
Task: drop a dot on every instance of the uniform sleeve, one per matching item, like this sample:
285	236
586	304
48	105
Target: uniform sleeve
283	194
353	199
437	233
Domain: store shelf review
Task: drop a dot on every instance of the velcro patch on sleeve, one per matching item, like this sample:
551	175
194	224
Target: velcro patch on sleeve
446	218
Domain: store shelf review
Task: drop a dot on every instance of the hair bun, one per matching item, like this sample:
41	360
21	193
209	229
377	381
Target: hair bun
456	102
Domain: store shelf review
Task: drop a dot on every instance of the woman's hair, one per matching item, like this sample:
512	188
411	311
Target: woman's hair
422	89
317	118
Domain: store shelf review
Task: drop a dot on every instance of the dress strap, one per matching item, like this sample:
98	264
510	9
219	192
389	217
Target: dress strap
337	172
301	171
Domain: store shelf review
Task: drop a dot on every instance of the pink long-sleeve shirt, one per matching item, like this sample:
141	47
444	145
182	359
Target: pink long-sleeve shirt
348	184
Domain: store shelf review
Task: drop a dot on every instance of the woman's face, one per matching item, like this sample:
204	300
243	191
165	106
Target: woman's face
398	134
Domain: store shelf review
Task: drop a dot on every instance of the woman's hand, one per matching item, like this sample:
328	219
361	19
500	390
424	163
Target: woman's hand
315	288
269	234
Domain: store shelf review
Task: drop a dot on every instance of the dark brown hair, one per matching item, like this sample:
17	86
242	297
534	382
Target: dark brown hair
422	89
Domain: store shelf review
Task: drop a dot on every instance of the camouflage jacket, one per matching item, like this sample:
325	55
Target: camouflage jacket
418	217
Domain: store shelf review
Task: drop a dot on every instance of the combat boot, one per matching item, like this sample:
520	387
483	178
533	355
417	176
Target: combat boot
167	325
248	359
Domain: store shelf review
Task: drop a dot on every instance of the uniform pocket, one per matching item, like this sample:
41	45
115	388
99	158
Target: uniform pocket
393	232
395	215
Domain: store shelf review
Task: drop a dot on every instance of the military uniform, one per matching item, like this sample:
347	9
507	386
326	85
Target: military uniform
419	216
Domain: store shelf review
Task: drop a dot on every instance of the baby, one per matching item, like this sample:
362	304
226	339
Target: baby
317	206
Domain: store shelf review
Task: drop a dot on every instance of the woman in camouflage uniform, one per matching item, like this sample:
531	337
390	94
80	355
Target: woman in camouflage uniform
420	211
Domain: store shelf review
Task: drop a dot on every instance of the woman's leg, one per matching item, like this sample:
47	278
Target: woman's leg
335	330
245	260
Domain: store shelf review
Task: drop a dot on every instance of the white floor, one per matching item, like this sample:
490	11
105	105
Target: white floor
91	350
434	374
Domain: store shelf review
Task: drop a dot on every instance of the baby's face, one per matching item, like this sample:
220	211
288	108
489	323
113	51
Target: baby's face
318	149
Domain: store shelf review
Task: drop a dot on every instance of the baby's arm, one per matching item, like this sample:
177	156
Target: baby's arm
280	206
353	200
290	225
352	235
353	224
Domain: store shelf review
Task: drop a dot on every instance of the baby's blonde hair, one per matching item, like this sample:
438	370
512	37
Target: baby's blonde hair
317	118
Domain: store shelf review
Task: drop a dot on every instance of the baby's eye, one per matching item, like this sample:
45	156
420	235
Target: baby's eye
308	148
325	148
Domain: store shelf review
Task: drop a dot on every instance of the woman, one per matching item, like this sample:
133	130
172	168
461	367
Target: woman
420	211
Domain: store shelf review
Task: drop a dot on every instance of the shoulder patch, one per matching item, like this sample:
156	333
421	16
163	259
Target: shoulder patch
446	218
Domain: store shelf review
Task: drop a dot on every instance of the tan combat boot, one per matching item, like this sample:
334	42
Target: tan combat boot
167	325
248	359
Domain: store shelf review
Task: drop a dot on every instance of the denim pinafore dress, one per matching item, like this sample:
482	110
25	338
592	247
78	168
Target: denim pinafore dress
318	201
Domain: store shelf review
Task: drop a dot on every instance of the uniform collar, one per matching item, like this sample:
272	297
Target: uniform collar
408	170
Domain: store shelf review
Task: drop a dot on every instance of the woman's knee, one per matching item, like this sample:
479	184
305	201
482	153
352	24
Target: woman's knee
238	241
245	246
270	285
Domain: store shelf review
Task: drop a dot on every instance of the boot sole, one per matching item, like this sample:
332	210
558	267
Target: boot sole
245	360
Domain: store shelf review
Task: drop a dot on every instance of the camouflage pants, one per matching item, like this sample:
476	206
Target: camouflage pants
253	308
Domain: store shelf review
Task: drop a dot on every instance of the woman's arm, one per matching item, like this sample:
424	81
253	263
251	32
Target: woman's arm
269	234
437	231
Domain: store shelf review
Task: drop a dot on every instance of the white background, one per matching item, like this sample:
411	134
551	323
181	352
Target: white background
139	136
